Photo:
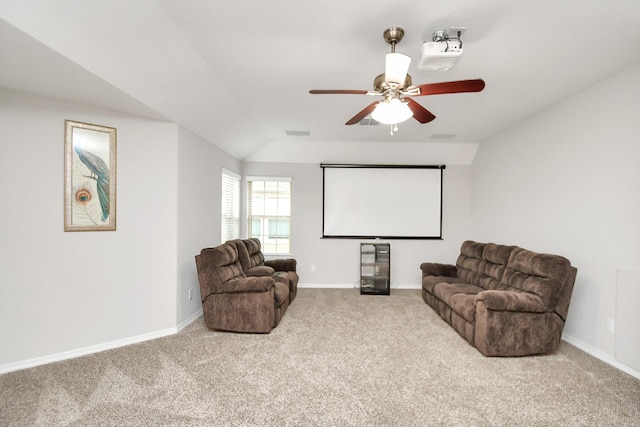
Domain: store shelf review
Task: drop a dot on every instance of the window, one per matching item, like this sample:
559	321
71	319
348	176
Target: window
230	206
269	212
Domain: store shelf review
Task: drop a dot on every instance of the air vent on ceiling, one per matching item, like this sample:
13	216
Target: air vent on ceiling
298	132
442	136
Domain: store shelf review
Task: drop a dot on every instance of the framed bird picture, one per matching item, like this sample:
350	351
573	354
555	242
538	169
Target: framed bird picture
89	177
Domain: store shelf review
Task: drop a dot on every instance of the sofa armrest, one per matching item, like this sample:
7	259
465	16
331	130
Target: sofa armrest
435	269
511	301
288	264
247	285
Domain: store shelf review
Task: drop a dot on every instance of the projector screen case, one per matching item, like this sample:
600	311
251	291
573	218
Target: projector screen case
382	201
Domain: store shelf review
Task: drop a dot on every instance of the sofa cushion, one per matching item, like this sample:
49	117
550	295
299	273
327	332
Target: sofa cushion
429	282
469	269
459	297
483	264
260	270
497	254
444	291
222	264
243	254
464	305
472	249
256	256
246	285
543	275
495	262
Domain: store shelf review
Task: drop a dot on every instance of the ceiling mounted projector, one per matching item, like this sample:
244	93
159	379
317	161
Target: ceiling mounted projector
443	52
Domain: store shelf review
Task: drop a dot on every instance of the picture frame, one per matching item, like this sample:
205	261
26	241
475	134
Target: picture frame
89	177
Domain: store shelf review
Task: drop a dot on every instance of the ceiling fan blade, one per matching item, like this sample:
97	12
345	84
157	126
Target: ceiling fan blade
459	86
420	113
362	114
338	92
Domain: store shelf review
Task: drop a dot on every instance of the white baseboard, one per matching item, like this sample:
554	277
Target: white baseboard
406	286
350	286
37	361
195	316
30	363
598	354
327	286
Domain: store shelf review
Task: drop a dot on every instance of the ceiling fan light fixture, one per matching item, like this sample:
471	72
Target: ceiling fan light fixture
396	68
391	112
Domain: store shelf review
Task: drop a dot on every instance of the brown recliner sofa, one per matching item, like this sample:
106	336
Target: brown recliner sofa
233	301
254	264
504	300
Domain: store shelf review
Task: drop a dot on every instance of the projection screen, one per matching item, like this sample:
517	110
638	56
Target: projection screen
382	201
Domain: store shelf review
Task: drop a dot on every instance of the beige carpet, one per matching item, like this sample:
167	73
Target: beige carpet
336	359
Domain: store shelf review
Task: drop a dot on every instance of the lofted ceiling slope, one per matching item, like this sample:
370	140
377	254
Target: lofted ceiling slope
238	73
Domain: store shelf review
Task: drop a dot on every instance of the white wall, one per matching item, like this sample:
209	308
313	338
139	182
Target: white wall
200	166
337	261
59	291
567	181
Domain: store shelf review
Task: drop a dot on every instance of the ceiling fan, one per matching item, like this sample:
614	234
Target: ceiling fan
396	89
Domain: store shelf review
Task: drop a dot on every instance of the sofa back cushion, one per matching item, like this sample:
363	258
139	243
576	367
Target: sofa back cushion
254	250
243	254
550	277
220	264
483	264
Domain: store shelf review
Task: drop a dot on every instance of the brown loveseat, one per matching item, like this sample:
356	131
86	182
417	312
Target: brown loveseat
233	301
254	264
504	300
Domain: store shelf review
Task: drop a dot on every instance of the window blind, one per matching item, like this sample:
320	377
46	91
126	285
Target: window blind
230	206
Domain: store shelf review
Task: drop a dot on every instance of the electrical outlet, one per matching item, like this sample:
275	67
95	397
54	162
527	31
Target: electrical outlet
313	268
190	294
611	326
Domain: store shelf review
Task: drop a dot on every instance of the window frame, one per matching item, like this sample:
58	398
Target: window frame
270	246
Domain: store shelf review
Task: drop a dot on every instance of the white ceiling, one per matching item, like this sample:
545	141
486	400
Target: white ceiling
238	73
